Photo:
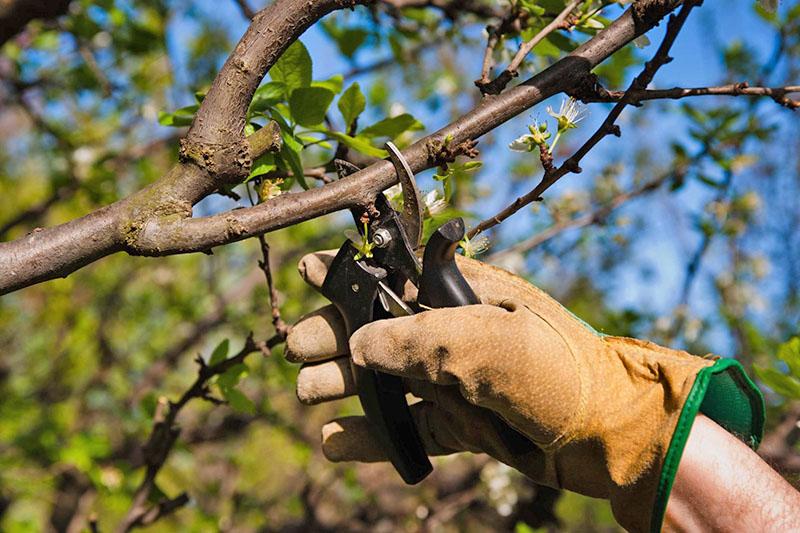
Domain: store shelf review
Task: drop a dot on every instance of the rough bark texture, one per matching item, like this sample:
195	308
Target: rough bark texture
156	221
163	237
216	138
15	14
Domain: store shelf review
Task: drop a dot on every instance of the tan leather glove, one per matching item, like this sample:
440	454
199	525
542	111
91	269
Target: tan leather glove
609	415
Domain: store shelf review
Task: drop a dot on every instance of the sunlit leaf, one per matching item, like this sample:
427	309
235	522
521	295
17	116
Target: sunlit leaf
392	127
351	104
309	105
220	353
293	69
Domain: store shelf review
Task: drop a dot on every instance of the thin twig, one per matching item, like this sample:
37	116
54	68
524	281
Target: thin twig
281	328
598	215
608	127
247	11
560	22
779	94
510	22
164	435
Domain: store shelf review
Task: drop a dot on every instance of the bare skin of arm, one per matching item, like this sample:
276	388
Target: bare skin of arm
722	485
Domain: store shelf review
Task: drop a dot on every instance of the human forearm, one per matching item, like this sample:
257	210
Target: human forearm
722	485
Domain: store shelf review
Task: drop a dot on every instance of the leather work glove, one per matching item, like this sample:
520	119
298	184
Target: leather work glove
609	415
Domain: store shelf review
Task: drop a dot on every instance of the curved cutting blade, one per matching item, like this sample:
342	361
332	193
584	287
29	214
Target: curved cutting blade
412	202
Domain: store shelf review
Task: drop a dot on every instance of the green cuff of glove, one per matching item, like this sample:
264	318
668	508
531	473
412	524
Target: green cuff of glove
725	394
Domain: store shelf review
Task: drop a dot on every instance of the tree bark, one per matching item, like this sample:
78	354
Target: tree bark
16	14
157	220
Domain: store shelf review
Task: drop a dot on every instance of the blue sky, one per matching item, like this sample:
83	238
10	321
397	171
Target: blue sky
694	65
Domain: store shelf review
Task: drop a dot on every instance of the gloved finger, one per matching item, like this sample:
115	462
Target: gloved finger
351	438
313	267
325	381
440	345
317	336
334	379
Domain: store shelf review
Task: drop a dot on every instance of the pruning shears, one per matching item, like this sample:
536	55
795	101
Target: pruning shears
365	289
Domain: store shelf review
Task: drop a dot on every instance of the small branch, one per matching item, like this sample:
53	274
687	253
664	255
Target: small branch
597	216
511	22
561	21
163	437
200	328
281	328
608	127
779	94
156	221
558	23
247	11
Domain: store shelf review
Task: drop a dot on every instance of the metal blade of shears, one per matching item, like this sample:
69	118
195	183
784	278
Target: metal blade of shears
412	214
391	302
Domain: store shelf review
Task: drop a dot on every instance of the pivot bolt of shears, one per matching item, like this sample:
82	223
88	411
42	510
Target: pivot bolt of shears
381	238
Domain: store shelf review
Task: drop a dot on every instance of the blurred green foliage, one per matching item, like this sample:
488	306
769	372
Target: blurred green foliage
706	257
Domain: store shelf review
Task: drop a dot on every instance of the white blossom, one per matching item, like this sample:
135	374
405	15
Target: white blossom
569	114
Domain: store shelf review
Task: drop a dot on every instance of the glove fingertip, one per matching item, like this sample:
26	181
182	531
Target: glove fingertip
350	439
313	267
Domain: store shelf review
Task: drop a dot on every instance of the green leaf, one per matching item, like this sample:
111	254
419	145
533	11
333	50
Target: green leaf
220	353
238	401
290	153
784	385
182	117
562	42
230	378
334	83
308	139
350	40
262	165
267	96
789	353
351	104
293	69
358	143
309	105
392	127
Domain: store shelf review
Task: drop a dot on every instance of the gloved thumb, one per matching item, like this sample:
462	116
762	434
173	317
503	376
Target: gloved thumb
441	345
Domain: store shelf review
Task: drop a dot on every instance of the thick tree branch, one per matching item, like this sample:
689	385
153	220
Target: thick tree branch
156	220
16	14
216	139
161	237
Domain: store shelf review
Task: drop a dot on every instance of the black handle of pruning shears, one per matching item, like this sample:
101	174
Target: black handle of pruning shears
443	285
361	286
353	287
